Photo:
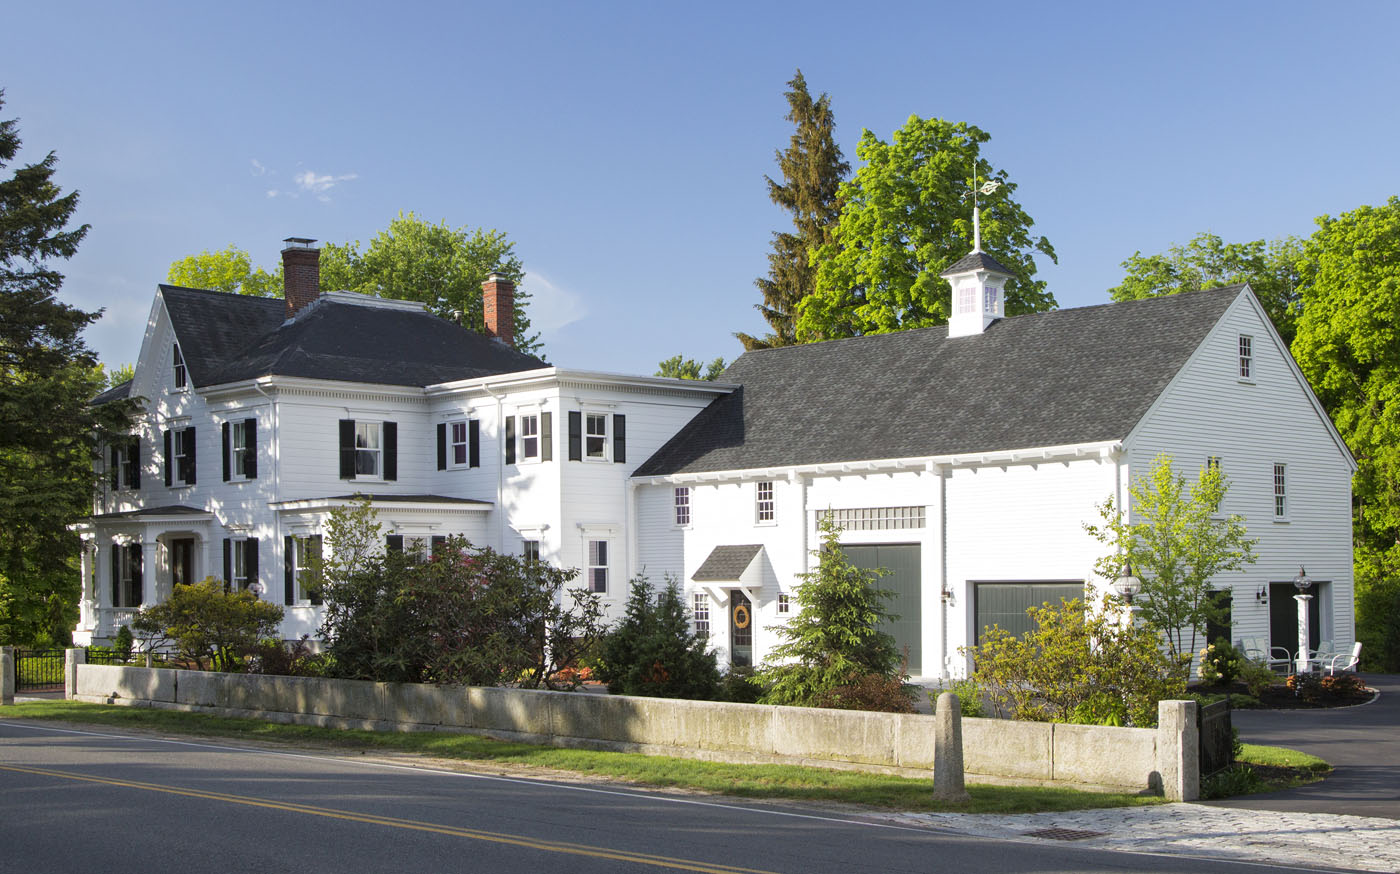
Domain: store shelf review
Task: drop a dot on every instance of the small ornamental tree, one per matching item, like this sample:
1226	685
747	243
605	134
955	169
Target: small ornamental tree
208	626
654	651
834	640
1177	543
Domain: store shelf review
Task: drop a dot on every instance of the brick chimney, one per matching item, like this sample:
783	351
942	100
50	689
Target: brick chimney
301	273
498	307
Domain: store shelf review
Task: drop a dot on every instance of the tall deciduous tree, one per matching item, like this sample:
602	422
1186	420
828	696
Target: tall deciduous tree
48	433
680	367
1177	547
903	221
230	270
812	167
1272	269
1348	346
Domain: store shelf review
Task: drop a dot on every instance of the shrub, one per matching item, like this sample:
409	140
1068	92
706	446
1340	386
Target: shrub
1344	686
869	692
121	645
286	659
969	696
1234	780
1220	663
739	686
212	628
1257	677
1077	667
653	651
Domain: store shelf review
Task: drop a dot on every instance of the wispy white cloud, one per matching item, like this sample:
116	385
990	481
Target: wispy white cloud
309	182
258	169
552	306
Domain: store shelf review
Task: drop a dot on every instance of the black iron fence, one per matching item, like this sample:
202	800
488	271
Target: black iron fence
1217	745
41	670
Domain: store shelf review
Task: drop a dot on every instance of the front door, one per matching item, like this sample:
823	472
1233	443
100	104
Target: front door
740	630
182	562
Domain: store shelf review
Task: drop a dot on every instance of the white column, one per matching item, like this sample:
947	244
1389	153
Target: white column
149	593
1304	633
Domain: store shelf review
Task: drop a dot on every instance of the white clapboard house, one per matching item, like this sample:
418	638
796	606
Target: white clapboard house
965	459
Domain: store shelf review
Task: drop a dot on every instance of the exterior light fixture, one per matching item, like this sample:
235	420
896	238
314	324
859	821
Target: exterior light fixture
1302	582
1127	584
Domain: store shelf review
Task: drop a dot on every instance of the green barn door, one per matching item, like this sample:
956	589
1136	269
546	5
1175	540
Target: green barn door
905	579
1005	604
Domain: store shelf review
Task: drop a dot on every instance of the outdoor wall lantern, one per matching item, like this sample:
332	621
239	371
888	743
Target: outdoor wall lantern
1262	596
1127	585
948	597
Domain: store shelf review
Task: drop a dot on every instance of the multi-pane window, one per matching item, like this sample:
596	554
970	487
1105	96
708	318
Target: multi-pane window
182	442
595	436
1280	491
598	566
126	588
531	550
876	518
700	613
989	300
529	436
682	500
967	299
1246	357
307	552
243	564
367	448
178	360
764	501
241	448
126	465
784	603
459	444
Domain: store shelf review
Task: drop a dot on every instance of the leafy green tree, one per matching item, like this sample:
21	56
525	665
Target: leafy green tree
1348	346
903	221
813	168
48	433
1179	544
680	367
1077	665
213	628
229	270
835	639
654	651
1272	269
115	376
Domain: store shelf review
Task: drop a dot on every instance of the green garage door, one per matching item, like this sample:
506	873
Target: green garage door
905	580
1005	604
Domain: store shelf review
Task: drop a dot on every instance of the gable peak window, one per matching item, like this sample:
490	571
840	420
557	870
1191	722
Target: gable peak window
1246	357
178	361
763	501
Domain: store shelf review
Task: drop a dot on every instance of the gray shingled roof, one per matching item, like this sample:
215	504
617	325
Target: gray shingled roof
167	510
976	261
1048	379
231	337
118	392
727	563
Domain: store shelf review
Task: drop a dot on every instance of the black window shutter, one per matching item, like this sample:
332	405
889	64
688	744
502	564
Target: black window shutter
347	448
442	445
189	444
510	440
474	443
169	462
391	450
575	435
289	584
394	542
316	552
138	575
116	460
250	559
116	575
546	436
224	435
619	438
228	565
250	461
133	458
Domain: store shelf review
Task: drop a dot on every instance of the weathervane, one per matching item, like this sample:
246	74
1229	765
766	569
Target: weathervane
986	188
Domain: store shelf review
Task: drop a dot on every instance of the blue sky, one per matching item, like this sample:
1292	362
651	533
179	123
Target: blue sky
622	146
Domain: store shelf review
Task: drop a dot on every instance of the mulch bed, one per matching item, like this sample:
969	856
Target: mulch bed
1280	697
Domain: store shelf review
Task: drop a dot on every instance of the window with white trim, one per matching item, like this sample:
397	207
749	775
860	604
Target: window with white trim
1246	357
682	504
125	472
595	436
1213	464
306	553
181	374
182	450
458	443
598	566
763	501
126	589
700	614
876	518
784	603
530	437
530	549
967	299
243	564
1280	491
989	299
368	448
241	447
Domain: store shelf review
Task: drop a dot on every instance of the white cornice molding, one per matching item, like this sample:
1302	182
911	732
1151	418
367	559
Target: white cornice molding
325	505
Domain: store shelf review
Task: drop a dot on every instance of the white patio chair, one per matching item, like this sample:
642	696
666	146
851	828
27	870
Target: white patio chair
1324	653
1256	650
1344	662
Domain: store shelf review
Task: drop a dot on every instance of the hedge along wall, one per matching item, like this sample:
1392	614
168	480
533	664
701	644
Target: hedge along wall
1093	756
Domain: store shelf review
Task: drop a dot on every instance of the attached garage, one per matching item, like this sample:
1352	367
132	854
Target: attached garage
1005	603
902	560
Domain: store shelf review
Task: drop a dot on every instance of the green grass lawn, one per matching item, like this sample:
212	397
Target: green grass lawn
773	782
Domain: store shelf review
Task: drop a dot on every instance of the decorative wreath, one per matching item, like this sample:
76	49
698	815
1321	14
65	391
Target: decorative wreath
741	616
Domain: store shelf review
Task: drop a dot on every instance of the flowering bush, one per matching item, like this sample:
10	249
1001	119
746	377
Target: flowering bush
1221	663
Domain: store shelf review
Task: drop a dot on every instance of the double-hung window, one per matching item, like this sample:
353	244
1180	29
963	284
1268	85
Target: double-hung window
126	575
967	299
763	501
598	566
367	448
784	603
240	449
306	552
125	470
1246	357
700	614
459	444
1280	491
240	563
530	437
181	379
595	438
530	550
182	449
682	504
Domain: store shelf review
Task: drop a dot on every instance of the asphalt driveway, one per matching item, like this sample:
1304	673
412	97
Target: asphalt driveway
1362	743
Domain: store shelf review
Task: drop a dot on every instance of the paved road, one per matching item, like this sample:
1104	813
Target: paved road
1362	743
76	801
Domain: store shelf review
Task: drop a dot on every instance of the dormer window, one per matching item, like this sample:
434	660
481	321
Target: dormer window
181	377
989	299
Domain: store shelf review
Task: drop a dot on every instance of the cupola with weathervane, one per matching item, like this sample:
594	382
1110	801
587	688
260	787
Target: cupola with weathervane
978	281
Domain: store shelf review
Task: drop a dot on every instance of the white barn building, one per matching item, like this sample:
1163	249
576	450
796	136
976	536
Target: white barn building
966	459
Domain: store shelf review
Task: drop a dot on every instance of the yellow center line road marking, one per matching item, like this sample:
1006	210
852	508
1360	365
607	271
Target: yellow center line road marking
414	825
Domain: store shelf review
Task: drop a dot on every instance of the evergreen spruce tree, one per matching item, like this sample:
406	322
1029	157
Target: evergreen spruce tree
812	169
653	651
48	432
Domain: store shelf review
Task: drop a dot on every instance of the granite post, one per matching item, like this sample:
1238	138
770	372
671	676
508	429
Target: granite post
948	750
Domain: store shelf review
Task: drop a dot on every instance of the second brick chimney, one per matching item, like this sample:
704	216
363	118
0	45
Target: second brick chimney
301	273
498	307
